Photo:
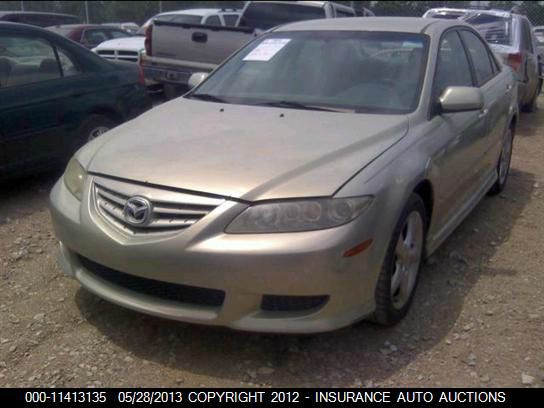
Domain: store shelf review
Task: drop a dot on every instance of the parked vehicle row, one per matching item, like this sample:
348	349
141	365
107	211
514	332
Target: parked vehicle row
512	38
55	96
130	49
174	50
298	188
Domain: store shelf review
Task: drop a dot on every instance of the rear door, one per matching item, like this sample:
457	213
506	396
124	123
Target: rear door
530	60
31	129
496	87
458	134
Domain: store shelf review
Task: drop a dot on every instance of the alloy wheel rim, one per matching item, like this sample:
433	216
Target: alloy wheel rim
506	155
407	260
97	131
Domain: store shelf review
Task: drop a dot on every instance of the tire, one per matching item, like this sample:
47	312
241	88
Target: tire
503	166
92	127
393	304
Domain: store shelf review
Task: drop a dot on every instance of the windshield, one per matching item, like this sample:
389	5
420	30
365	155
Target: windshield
267	15
374	72
495	29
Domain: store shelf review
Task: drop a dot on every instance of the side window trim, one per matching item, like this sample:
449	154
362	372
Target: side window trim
469	59
70	56
494	73
431	111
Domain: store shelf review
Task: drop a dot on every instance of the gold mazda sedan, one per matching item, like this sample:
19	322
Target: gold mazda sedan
297	188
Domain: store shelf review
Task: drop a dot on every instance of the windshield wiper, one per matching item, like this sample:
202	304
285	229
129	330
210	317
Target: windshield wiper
299	105
206	97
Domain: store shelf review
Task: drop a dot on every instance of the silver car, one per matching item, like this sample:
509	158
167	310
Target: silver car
510	35
298	188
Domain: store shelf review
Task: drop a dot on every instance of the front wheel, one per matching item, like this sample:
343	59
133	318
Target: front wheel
400	271
503	167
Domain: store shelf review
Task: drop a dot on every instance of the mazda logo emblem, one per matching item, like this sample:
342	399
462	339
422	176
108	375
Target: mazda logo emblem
137	211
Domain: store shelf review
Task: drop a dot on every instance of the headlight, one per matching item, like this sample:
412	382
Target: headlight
298	215
74	178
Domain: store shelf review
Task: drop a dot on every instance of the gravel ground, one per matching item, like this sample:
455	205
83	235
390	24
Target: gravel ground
477	319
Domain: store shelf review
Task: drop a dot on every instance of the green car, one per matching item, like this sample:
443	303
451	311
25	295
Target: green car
55	96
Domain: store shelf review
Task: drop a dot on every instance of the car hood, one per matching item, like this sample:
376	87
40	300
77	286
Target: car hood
245	152
123	44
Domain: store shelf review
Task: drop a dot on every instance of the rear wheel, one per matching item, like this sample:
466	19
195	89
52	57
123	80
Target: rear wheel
400	271
503	167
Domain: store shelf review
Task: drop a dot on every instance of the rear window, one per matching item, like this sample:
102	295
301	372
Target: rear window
230	19
180	18
267	15
495	29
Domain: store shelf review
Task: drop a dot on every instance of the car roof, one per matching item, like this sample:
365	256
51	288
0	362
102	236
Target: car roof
392	24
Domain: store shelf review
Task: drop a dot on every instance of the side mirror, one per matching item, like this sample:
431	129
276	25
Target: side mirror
196	79
461	99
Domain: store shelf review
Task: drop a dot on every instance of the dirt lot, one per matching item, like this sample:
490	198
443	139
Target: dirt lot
477	320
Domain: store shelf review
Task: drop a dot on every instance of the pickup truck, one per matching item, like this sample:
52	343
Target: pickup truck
174	51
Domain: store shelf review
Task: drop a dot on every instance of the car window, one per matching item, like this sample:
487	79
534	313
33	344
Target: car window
445	14
494	29
213	20
230	19
94	37
181	18
343	13
69	67
452	66
24	60
118	34
479	55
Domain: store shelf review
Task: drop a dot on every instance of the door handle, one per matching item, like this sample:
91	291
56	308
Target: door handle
200	37
483	113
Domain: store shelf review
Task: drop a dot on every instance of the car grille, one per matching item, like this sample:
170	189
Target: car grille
158	289
175	212
131	56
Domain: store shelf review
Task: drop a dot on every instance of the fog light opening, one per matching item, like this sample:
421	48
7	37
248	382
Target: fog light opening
357	249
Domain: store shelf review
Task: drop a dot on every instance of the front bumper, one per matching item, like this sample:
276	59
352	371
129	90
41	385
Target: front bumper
246	268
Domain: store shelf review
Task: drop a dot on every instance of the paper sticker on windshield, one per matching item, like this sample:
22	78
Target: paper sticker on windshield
412	44
267	49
